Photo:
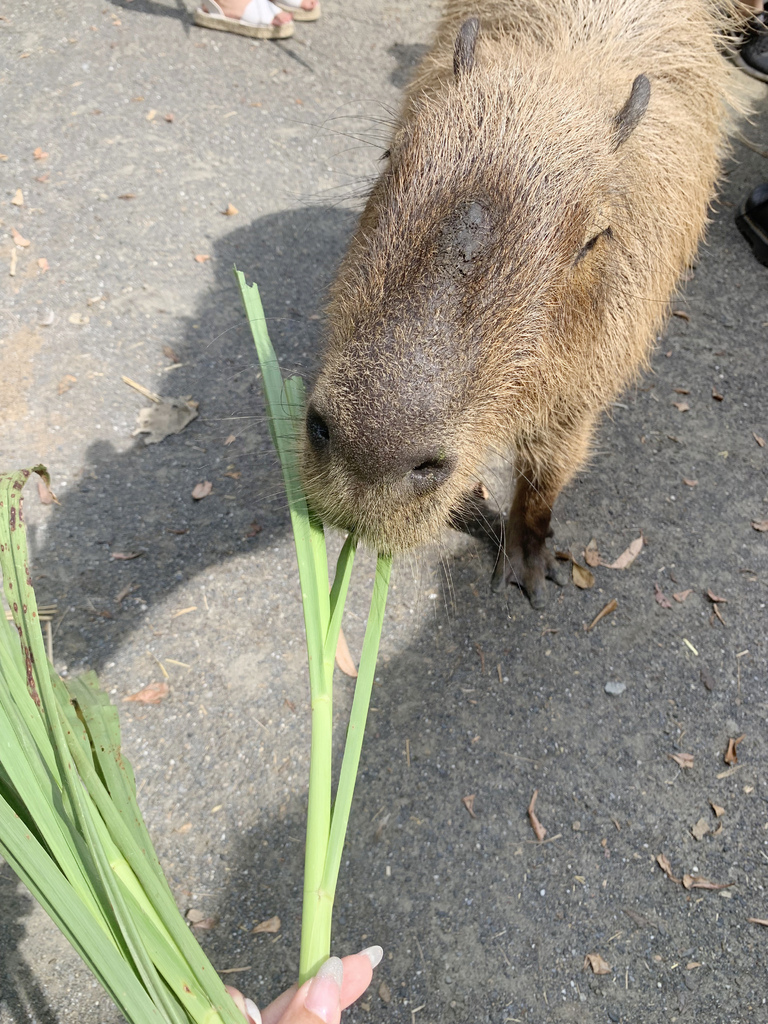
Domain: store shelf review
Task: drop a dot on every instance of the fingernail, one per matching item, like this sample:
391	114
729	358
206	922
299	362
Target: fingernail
374	954
253	1011
325	990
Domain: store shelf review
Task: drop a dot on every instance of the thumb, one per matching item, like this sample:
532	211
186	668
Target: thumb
318	999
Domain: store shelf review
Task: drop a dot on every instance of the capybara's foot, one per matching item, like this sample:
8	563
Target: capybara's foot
528	562
480	519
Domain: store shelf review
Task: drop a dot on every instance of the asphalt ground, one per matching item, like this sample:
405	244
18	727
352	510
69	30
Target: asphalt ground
152	128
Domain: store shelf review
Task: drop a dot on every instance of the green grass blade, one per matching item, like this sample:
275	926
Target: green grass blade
357	720
51	889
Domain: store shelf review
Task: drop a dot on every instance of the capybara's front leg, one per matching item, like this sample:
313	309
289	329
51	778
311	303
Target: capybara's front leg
544	467
525	559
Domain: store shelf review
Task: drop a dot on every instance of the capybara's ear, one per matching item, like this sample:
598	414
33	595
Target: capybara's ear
631	114
464	50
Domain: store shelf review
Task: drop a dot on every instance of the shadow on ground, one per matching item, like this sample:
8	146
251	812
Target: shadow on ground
496	700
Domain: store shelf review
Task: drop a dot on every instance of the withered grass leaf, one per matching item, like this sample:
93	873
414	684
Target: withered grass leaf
169	353
582	577
682	391
719	811
39	153
627	557
19	239
199	921
18	198
663	861
201	257
680	313
151	694
759	439
43	264
591	554
469	803
718	613
761	525
125	556
596	963
269	927
758	920
699	882
684	760
700	829
47	497
658	594
612	605
715	599
716	395
384	993
690	483
681	406
538	829
344	659
681	595
229	440
230	210
730	756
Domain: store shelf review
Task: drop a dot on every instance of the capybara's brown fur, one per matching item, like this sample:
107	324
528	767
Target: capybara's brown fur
547	184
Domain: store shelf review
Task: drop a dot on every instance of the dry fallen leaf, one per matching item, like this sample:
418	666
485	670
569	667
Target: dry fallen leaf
758	920
681	595
254	529
47	497
234	474
659	596
715	599
151	694
384	993
698	882
730	756
201	258
719	811
626	558
681	406
151	115
183	829
582	577
682	391
12	267
202	490
230	439
596	962
169	353
40	154
344	659
612	605
43	264
663	861
18	199
761	525
230	210
591	554
199	921
538	829
125	556
681	313
716	395
684	760
66	383
759	439
19	239
700	829
469	803
269	927
127	195
79	318
690	483
166	416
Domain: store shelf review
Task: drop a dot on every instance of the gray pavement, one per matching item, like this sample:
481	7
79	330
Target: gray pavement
477	694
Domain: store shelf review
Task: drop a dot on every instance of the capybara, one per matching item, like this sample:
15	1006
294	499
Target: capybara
546	185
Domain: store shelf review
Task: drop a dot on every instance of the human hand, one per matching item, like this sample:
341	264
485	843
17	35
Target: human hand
337	985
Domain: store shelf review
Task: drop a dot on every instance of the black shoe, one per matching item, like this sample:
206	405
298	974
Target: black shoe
752	55
752	222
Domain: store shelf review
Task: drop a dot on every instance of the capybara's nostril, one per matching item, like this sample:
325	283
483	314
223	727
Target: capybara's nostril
431	473
317	430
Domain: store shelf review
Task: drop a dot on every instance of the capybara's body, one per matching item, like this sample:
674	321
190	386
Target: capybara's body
547	184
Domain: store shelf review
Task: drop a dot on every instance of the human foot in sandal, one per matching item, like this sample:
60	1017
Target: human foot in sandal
259	19
302	10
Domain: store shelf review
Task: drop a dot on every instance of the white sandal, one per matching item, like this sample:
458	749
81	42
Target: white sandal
256	21
298	12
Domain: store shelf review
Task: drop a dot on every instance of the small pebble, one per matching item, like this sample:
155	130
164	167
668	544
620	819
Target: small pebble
615	689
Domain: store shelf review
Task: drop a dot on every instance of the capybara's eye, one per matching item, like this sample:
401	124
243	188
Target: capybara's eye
317	429
592	243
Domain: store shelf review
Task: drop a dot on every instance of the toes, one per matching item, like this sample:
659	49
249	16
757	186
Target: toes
557	574
537	594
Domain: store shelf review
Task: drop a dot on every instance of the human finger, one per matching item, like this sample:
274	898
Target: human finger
246	1006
